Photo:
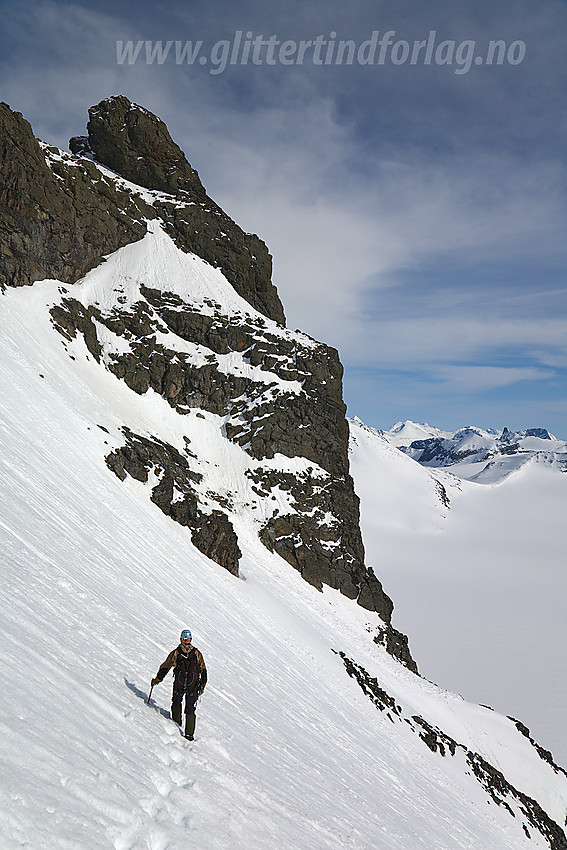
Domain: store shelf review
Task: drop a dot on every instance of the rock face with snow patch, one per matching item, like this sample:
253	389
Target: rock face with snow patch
212	533
136	144
61	214
184	308
58	215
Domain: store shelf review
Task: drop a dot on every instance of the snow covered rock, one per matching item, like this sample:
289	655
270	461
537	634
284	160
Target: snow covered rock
185	309
60	214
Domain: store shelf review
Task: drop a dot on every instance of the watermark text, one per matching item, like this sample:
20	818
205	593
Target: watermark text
245	48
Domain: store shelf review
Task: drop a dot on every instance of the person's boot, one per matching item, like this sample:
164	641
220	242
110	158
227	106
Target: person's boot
176	713
190	721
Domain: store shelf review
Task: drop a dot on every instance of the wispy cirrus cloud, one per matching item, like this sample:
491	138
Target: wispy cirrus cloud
480	379
434	340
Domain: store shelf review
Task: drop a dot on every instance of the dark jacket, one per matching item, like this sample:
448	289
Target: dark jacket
177	657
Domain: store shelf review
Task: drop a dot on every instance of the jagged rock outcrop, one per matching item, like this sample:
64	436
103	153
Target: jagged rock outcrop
137	145
396	644
60	215
321	536
273	393
174	494
58	219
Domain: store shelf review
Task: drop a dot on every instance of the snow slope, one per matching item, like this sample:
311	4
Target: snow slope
289	750
479	585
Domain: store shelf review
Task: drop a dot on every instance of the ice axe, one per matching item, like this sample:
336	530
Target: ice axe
150	694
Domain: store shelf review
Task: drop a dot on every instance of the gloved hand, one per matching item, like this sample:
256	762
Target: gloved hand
155	682
201	690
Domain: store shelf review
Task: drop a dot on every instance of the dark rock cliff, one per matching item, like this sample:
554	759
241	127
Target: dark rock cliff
57	222
137	145
61	213
60	221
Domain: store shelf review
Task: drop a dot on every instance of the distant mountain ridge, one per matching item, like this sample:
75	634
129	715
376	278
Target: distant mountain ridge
485	456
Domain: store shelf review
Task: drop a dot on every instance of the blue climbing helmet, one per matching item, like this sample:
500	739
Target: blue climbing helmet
186	634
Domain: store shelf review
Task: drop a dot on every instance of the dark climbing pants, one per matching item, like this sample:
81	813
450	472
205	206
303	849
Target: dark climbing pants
191	698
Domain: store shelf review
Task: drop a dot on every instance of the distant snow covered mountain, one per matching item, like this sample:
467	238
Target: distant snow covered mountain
486	456
404	433
172	455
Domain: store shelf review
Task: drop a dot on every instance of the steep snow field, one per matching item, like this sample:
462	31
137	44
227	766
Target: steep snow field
481	586
97	585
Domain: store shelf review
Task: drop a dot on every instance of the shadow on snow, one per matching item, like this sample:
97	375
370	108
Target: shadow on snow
142	695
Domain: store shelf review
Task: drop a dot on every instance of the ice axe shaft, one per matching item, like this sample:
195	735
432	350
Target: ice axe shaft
149	695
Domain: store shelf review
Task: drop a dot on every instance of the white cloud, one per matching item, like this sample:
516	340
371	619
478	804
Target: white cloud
467	380
334	249
411	342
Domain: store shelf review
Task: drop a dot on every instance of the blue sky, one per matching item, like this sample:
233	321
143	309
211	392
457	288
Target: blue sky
416	212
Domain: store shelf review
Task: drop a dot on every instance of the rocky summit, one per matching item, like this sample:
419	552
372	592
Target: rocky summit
162	289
